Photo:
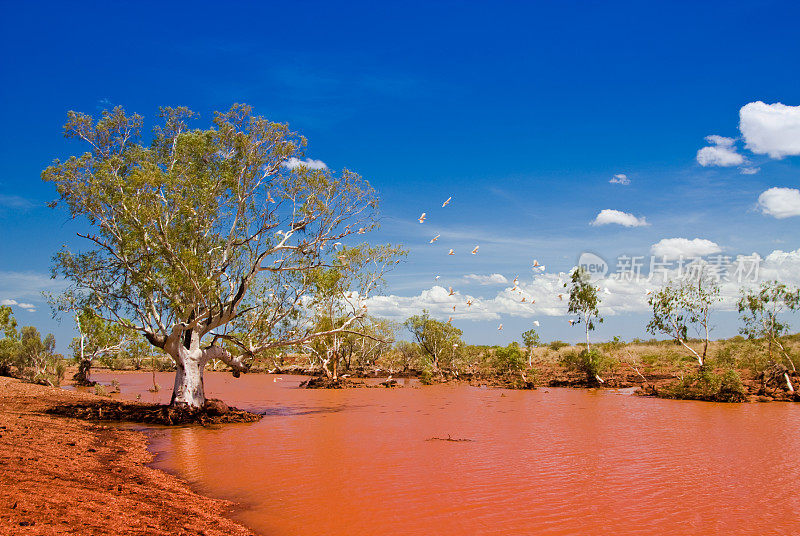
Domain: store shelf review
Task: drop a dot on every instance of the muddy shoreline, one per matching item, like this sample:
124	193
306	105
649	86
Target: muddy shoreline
61	475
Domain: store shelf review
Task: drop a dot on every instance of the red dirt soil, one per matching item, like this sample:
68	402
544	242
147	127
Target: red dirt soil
64	476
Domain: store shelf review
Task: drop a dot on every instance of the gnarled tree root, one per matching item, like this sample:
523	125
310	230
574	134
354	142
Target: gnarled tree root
213	412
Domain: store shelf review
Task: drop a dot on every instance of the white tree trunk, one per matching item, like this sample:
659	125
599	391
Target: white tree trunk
191	359
188	390
586	325
190	362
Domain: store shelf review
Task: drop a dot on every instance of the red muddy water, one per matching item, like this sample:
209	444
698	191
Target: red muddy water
551	461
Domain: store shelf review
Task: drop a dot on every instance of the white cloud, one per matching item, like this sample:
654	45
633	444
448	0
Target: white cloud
29	285
493	279
780	202
618	294
772	129
294	162
31	308
749	170
720	153
672	248
608	216
620	178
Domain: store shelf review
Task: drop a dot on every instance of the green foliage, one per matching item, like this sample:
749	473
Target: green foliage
708	385
9	343
557	345
440	342
685	304
426	375
584	300
613	344
26	354
593	363
209	233
732	353
760	312
352	339
508	360
403	357
531	338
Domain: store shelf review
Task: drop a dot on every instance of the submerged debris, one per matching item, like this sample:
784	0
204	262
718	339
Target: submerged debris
449	438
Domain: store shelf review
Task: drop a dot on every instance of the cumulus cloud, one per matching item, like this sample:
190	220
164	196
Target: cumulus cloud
492	279
749	170
672	248
618	294
620	178
720	153
608	216
780	202
293	163
772	129
14	303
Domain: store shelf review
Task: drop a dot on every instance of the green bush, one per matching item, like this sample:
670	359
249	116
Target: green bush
426	375
557	345
613	344
593	363
508	360
708	385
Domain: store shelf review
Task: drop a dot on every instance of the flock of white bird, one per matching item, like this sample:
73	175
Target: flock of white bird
536	266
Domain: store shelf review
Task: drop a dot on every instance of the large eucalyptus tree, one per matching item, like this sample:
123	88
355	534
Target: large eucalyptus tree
208	241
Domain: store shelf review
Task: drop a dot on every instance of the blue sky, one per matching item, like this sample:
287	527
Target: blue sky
522	112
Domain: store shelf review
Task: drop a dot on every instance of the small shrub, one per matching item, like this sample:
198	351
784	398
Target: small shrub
593	363
613	344
508	360
100	390
426	376
557	345
708	385
726	356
